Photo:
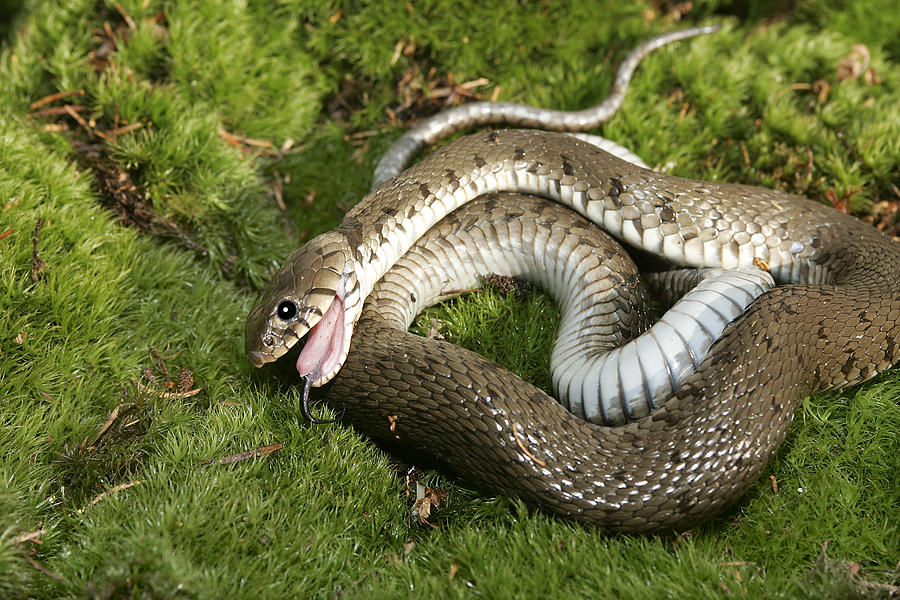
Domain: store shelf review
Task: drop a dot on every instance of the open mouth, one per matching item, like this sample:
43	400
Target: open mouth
323	353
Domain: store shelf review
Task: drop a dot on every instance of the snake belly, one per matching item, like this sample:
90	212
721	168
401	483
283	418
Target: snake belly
836	323
608	365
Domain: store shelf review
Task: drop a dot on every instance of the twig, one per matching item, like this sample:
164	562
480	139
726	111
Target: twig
524	449
31	536
264	146
239	140
256	452
117	131
109	421
84	124
278	191
44	569
37	265
54	97
55	110
358	135
7	232
128	20
103	495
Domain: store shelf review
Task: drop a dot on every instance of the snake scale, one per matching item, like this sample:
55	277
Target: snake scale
708	442
835	322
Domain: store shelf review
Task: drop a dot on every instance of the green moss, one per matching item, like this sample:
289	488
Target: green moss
325	515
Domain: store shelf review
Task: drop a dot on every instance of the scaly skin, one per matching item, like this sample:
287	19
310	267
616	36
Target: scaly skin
708	442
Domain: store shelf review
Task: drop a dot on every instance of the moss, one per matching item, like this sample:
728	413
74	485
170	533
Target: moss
325	515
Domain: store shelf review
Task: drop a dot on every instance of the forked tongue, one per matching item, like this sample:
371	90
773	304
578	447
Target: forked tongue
322	349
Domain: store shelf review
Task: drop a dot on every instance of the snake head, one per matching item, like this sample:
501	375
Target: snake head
308	297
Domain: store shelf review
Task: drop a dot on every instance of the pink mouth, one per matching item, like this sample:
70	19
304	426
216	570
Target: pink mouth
322	352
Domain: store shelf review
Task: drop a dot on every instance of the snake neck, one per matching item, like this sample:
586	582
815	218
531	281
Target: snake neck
676	219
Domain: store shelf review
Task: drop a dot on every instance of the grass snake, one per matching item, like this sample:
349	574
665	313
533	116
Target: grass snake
834	322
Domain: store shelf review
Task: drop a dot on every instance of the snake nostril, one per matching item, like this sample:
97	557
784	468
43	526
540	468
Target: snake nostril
268	341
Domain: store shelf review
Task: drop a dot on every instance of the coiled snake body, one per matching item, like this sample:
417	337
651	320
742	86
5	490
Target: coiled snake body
706	444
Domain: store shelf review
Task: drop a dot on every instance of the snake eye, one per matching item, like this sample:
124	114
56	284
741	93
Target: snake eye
287	310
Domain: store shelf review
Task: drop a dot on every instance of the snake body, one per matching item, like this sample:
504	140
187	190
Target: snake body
836	323
607	365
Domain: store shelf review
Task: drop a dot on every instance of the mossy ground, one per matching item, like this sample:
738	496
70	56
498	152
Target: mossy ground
185	97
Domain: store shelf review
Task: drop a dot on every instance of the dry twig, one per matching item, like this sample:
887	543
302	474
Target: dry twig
37	265
54	97
255	453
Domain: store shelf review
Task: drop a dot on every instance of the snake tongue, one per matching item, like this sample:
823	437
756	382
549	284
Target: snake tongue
324	346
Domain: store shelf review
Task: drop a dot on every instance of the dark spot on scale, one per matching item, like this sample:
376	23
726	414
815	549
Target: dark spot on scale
389	211
518	153
667	416
567	166
490	201
479	162
412	297
689	235
890	348
666	214
638	226
547	221
848	366
494	136
617	185
424	192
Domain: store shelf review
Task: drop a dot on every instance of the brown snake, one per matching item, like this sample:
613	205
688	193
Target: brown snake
706	444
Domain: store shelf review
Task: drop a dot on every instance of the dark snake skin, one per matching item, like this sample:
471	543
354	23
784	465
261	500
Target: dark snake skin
711	440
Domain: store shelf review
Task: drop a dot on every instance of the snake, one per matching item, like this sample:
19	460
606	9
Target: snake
834	321
608	365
